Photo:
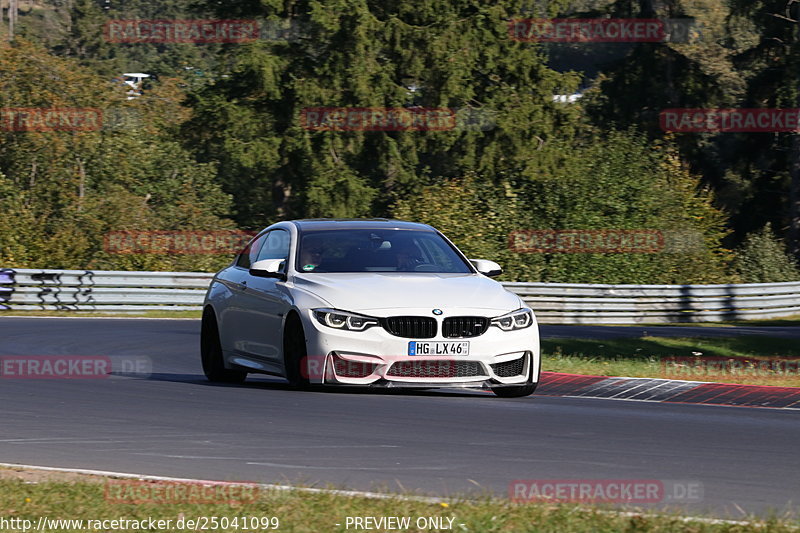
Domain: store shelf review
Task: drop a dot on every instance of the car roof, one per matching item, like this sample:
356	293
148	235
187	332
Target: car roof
316	224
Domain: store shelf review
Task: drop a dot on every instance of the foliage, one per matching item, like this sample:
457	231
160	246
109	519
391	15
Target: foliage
444	54
614	183
746	55
764	184
61	191
218	142
477	216
762	258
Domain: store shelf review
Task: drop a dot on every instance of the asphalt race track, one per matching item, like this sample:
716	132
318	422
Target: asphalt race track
441	443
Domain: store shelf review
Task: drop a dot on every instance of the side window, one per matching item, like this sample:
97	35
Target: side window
276	246
248	256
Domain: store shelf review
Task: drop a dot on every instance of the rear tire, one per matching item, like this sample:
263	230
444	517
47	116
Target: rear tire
211	353
295	353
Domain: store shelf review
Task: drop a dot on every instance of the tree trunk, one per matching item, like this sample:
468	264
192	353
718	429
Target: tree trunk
794	162
13	9
81	183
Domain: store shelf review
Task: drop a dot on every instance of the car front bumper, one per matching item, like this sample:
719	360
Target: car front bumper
377	358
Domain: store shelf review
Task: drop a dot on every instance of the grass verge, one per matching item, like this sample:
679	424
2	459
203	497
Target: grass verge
84	498
793	320
759	360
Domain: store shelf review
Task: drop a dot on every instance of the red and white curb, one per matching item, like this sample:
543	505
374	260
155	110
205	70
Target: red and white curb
668	390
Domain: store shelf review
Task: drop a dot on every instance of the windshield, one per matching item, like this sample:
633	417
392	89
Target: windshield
375	250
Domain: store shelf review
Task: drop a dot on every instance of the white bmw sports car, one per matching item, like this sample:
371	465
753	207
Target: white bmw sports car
380	303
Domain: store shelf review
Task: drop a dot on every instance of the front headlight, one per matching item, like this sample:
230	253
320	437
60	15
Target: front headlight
333	318
519	319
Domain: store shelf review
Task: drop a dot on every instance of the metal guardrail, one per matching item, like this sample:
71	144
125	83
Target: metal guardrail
103	290
554	303
571	303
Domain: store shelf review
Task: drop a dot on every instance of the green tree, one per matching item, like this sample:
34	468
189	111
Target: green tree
611	183
762	258
63	190
746	56
362	53
77	28
768	166
84	37
651	77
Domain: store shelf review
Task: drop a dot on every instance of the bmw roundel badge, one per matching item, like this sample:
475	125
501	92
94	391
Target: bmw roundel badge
437	311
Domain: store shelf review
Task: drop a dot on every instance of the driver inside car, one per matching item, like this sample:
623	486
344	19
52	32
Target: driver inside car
311	254
408	257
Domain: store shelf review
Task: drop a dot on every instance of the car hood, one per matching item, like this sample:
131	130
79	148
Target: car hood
374	291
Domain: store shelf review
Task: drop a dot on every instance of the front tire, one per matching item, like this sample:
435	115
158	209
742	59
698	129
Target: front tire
211	353
295	353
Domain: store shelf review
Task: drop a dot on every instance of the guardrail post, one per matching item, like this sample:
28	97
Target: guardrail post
6	287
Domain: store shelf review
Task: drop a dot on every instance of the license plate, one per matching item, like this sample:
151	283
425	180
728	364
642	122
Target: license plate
438	348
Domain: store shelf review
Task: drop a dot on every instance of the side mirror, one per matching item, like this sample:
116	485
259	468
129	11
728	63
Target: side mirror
268	268
487	268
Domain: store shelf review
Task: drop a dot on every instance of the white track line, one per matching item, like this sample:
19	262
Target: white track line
356	493
104	473
668	402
